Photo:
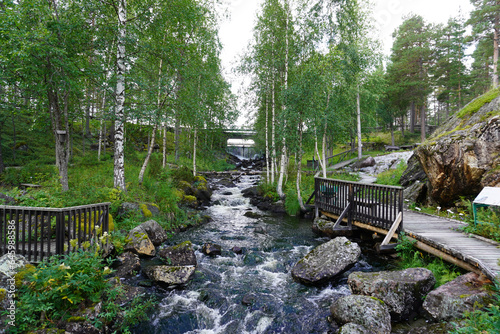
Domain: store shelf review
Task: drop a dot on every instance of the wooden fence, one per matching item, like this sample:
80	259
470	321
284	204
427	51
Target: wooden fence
37	233
377	205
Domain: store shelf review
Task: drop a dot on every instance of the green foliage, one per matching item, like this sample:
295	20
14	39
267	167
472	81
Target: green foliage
33	173
488	222
59	287
476	104
392	177
268	190
482	321
292	203
410	257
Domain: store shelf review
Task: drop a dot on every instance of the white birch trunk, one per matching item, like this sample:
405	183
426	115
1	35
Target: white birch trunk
273	139
360	143
299	172
119	168
148	156
267	138
495	49
279	188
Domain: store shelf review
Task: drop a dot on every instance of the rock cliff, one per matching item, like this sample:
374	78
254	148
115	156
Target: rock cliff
463	155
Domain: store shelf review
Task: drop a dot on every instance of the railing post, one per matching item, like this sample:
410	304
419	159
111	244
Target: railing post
352	206
401	200
60	232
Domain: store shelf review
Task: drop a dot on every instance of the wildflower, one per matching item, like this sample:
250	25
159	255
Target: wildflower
107	270
62	266
418	209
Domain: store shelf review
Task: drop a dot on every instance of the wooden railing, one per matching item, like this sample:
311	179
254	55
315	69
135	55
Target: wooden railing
376	205
37	233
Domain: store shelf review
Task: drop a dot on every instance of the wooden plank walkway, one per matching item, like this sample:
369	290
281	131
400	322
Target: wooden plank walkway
444	235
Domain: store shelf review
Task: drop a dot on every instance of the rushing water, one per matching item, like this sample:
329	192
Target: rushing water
252	292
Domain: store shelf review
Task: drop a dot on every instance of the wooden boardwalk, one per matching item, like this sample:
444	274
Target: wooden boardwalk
444	236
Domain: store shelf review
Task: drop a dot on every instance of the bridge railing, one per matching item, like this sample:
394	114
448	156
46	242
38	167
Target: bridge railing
377	205
37	233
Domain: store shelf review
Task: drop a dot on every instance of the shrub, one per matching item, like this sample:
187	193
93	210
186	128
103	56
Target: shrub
412	258
59	287
292	206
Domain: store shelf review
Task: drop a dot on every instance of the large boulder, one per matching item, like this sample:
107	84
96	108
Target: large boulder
170	275
326	261
155	232
179	255
139	242
451	300
463	156
127	264
10	262
368	312
402	291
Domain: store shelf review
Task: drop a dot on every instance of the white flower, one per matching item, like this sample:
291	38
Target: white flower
418	209
62	266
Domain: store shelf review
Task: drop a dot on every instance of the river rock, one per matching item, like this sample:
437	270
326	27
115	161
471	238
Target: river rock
437	328
368	162
463	155
402	291
368	312
128	264
326	261
170	275
155	232
451	300
250	192
324	227
251	214
211	249
179	255
140	243
352	328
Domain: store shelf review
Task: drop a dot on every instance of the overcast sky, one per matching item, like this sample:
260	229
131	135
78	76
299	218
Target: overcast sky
236	32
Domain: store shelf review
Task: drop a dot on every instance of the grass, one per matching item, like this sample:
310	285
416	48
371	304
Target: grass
476	104
392	177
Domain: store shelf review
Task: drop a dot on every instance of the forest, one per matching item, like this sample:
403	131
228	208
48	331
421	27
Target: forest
83	72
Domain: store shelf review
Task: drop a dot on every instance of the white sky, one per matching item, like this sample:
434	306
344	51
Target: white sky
236	32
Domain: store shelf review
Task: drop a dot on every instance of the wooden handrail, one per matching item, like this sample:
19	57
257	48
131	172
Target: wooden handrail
42	232
378	205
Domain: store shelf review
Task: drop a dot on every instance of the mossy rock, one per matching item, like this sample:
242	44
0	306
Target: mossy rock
145	211
186	188
190	201
19	277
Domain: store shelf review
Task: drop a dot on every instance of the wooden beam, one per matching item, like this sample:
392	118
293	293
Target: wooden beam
342	215
433	251
393	229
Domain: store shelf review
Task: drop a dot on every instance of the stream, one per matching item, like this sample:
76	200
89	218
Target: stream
252	292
